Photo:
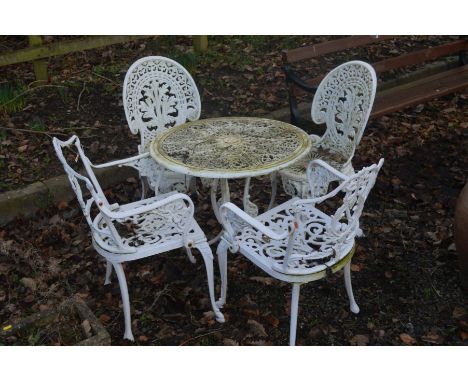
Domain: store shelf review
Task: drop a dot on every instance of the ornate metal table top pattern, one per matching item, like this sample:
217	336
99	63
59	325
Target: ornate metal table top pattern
230	147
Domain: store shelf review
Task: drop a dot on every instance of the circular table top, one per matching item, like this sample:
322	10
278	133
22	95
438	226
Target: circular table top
232	147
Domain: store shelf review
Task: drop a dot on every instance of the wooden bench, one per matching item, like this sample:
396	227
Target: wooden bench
433	80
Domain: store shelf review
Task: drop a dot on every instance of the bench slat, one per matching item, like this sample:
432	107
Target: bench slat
419	56
417	92
307	52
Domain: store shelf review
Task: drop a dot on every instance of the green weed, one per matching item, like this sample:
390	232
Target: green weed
12	98
188	60
38	125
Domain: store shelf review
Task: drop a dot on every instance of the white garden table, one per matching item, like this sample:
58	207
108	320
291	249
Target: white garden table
227	148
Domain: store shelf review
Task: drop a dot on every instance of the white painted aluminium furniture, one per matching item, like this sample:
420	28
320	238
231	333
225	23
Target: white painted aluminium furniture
132	231
158	93
229	148
343	102
296	242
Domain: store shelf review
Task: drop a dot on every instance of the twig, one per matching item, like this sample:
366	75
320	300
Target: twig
159	294
29	91
33	131
79	97
201	335
108	79
78	128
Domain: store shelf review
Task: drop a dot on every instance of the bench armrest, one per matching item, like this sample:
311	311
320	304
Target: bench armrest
293	77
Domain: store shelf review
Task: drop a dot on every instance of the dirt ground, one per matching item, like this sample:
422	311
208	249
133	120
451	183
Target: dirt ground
405	272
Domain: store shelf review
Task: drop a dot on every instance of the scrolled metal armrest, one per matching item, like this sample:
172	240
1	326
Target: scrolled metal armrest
122	162
247	219
149	207
331	174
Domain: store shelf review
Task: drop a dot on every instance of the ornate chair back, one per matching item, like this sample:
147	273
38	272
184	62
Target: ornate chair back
158	93
344	101
92	185
344	223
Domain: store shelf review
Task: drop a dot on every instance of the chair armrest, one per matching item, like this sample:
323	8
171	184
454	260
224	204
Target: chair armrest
293	77
319	175
121	162
247	219
149	207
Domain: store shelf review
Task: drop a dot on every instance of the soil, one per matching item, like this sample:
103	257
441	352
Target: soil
64	328
405	271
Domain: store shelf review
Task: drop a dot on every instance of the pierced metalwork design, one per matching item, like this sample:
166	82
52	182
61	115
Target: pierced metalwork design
159	93
230	147
136	230
297	242
343	102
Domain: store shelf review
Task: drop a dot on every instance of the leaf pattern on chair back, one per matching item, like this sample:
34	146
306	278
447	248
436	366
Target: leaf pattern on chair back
344	101
158	93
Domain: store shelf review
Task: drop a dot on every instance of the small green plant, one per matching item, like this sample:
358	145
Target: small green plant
188	60
38	125
34	338
63	94
99	70
12	97
107	71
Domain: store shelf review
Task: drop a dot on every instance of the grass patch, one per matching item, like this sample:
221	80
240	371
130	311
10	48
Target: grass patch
38	125
11	98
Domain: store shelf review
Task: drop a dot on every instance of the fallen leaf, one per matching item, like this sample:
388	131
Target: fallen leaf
29	283
360	340
463	335
458	312
257	328
433	338
104	318
263	280
407	339
230	342
356	267
272	320
62	205
143	339
86	328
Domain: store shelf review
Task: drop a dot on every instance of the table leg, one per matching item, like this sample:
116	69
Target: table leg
249	207
225	197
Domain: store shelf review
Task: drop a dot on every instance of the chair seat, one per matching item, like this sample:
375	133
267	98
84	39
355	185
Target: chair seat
309	255
157	231
298	169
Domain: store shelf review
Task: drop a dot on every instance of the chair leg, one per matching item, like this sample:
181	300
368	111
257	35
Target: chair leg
190	256
274	189
125	301
205	250
143	189
221	251
107	281
294	308
192	186
349	289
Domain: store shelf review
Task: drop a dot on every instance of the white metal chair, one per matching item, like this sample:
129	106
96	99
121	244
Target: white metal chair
158	93
297	242
343	102
132	231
